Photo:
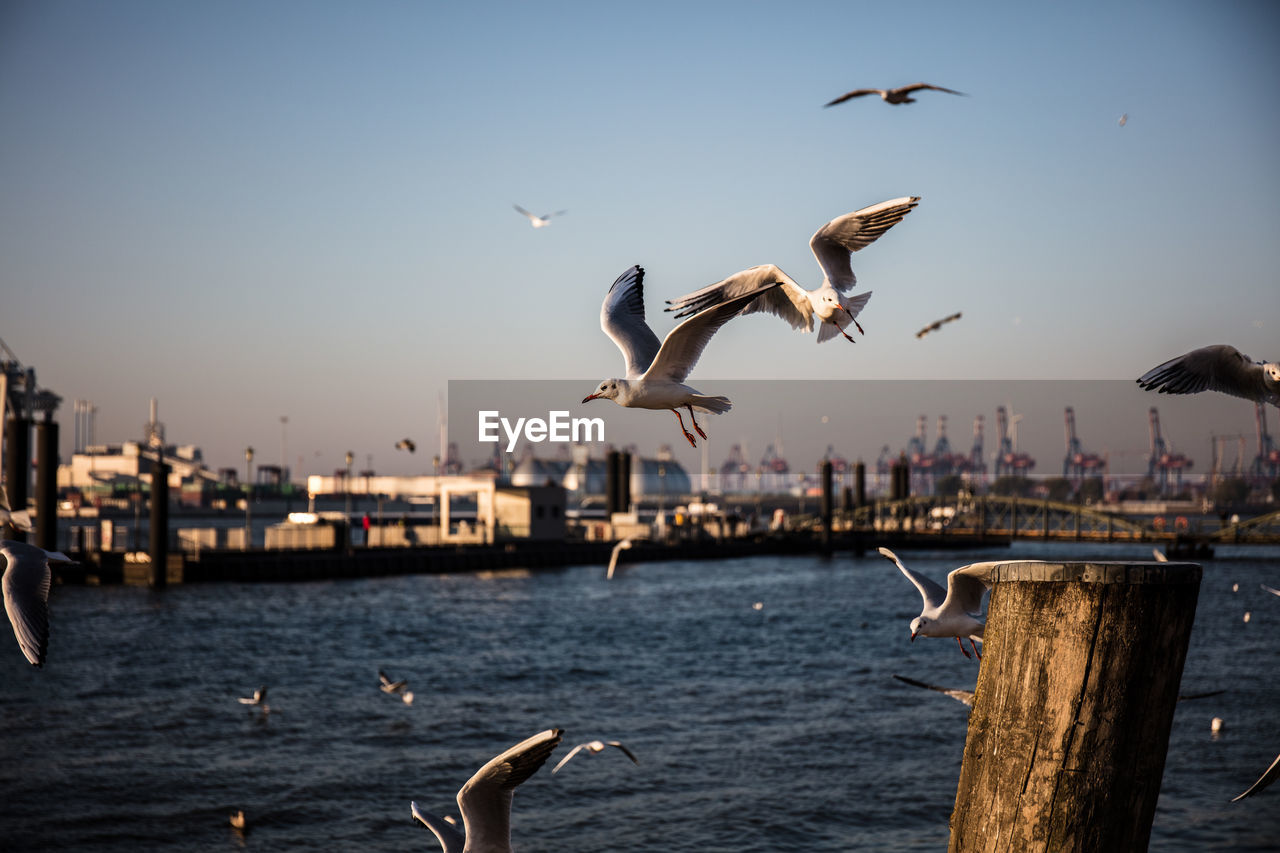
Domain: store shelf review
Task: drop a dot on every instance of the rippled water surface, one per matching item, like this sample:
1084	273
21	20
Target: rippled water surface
770	729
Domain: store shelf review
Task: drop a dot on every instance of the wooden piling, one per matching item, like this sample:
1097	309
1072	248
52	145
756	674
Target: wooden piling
159	523
1075	699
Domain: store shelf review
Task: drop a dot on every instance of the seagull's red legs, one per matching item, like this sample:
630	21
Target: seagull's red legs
687	434
695	422
975	649
963	651
855	323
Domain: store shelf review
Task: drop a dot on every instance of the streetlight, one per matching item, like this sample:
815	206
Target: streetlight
248	497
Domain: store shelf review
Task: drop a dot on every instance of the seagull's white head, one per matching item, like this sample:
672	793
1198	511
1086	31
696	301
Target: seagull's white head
1271	374
828	307
918	625
607	390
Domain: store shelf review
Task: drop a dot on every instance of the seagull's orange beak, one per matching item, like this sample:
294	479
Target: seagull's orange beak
590	397
913	636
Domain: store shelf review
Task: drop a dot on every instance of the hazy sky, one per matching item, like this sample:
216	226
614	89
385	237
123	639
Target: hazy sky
303	209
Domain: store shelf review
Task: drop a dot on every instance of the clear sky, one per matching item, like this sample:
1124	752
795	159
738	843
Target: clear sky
254	210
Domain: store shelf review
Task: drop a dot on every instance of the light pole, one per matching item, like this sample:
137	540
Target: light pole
248	498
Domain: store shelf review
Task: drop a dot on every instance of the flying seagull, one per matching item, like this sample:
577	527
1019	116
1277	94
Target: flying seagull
622	545
900	95
1271	774
937	324
1216	368
832	246
539	221
258	699
595	747
1269	589
406	444
485	800
656	371
400	687
950	612
26	595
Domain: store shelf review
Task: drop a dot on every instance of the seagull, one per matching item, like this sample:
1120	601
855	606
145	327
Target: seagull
613	557
406	444
401	687
1216	368
1270	589
900	95
1271	774
1159	555
656	371
950	612
832	246
539	221
26	595
937	324
1124	119
238	821
485	801
963	696
259	698
596	747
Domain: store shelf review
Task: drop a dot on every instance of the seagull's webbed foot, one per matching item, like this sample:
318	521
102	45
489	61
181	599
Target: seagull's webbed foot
687	434
963	650
695	422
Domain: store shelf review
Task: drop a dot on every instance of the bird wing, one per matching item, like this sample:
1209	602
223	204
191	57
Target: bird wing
485	800
966	586
532	217
1270	589
932	593
1213	368
834	242
26	597
790	301
451	840
628	753
547	216
684	344
915	87
382	677
856	93
622	319
570	754
1264	780
937	324
963	696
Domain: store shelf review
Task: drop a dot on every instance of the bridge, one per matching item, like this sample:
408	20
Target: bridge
1030	518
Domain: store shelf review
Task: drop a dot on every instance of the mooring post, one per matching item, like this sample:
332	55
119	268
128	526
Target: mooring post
828	504
1075	699
159	523
17	468
47	484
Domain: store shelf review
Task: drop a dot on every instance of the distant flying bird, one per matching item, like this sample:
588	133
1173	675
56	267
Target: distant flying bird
950	612
1269	776
406	444
832	245
1159	555
400	687
539	221
937	324
1216	368
596	747
1124	119
656	371
1270	589
26	595
622	545
963	696
485	800
259	699
901	95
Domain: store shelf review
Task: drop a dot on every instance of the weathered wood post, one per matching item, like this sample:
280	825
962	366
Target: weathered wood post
828	504
159	523
1075	699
